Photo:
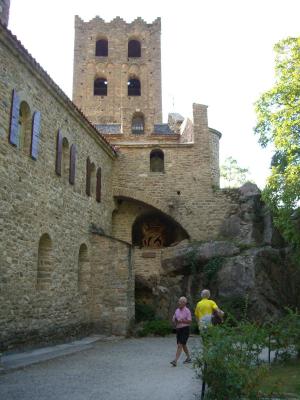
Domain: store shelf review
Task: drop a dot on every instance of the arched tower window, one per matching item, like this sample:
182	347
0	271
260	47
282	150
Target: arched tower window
134	48
138	124
100	87
25	127
134	87
157	161
102	48
84	272
45	262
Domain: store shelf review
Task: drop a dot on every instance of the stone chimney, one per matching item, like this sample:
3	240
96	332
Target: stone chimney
4	11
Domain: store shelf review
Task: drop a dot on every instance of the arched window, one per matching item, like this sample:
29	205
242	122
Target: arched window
157	161
138	124
45	262
134	48
134	87
100	87
102	48
25	127
84	272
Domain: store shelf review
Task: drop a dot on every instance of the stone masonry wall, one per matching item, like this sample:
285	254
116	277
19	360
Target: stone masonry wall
112	285
36	203
185	190
117	68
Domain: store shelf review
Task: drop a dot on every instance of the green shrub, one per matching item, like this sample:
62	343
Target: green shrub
284	335
157	327
144	312
228	361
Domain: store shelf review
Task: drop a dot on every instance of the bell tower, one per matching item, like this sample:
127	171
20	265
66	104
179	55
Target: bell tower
4	11
117	74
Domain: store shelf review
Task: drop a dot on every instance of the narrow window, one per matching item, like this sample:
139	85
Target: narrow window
134	87
84	272
137	125
59	140
14	119
45	262
25	127
35	135
98	186
90	178
102	48
65	159
134	48
72	164
100	87
157	161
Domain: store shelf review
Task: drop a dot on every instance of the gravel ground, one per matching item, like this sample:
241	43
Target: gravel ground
131	369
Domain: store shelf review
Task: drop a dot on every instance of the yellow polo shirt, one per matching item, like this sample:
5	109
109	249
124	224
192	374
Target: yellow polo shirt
205	307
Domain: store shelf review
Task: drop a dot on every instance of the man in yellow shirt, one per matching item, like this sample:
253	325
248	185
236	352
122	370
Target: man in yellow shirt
205	309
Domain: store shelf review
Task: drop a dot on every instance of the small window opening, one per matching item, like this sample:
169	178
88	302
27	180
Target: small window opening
134	48
138	124
25	127
134	87
102	48
100	87
157	161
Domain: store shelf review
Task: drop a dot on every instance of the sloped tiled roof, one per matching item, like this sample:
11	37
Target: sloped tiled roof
109	128
40	70
163	129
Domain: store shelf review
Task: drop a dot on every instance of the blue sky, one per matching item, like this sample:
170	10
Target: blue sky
214	52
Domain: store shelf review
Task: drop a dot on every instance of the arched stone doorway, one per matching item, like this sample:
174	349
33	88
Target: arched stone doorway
155	230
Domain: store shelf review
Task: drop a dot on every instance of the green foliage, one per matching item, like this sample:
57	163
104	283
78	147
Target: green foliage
156	327
232	174
284	335
229	362
278	123
283	380
211	269
144	312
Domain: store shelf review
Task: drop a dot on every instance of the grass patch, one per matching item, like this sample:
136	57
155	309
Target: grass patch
283	379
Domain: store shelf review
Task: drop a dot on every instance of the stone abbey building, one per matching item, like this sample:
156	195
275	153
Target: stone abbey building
95	190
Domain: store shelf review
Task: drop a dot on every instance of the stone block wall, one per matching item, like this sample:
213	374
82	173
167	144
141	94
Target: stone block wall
185	190
112	285
46	250
117	68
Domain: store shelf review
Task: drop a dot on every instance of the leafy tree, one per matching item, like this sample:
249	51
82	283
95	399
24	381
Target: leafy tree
278	123
232	174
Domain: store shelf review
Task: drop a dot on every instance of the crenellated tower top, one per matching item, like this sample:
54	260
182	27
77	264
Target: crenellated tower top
117	73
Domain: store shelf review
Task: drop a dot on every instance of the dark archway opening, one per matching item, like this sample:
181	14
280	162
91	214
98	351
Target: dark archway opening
100	87
134	48
156	230
134	87
102	48
157	161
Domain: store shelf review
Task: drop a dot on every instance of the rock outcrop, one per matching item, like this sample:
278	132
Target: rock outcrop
249	266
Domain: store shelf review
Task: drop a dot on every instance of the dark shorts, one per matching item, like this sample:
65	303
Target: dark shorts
182	334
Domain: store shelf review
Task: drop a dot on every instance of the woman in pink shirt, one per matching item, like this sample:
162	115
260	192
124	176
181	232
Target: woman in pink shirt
182	319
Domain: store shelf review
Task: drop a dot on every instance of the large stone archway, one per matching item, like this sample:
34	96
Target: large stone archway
155	230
